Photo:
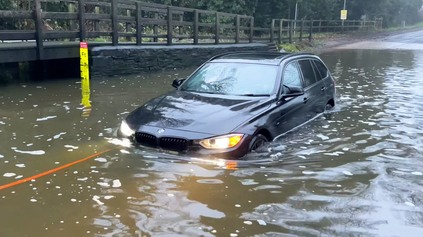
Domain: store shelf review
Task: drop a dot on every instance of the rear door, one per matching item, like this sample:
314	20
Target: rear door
314	89
323	74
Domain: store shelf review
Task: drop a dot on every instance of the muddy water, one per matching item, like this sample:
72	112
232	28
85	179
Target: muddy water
356	171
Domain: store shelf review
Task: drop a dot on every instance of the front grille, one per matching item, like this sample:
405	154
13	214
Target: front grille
167	143
146	139
171	143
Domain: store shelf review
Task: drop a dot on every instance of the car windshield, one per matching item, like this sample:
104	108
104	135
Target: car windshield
233	79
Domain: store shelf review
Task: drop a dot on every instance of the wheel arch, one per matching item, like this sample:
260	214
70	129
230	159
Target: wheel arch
265	133
331	102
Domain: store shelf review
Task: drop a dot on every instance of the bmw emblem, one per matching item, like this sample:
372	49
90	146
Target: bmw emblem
160	131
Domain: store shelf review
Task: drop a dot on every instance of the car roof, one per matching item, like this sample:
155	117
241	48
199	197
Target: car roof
257	57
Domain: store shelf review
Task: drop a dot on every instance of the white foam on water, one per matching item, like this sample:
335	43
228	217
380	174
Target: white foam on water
36	152
100	159
261	222
116	183
45	118
71	147
20	165
58	135
103	184
8	175
347	173
323	137
97	200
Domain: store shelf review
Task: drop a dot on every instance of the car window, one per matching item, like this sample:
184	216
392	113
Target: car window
308	72
321	70
233	79
291	76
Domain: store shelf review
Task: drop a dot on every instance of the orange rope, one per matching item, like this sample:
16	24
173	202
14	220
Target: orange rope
24	180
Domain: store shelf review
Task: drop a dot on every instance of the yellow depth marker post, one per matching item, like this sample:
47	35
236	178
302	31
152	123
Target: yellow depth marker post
85	78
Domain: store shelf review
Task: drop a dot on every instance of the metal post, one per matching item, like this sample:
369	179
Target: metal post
345	4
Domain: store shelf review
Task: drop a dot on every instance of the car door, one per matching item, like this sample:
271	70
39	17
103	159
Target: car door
314	90
323	74
291	103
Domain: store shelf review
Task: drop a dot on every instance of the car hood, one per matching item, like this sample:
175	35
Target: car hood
194	112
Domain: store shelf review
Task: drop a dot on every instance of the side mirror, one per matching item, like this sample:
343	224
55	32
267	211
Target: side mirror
177	82
293	92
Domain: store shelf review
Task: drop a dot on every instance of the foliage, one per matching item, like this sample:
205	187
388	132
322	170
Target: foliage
393	12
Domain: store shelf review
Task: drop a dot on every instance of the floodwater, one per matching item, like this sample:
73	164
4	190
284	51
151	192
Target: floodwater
356	171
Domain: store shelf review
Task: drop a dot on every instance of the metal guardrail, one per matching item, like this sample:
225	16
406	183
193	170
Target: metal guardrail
133	22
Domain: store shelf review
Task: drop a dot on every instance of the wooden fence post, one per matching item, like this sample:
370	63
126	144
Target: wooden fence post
196	19
169	25
115	25
310	31
217	29
82	27
291	24
251	29
280	31
156	28
72	9
39	30
97	22
128	25
139	23
272	31
238	24
301	30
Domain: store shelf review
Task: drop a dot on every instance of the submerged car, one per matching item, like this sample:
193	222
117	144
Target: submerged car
234	104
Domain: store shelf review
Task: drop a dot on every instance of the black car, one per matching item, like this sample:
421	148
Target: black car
233	104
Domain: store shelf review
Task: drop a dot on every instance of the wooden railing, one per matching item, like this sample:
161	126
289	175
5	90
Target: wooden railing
118	22
285	30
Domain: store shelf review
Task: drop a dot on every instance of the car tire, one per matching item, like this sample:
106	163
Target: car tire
258	143
328	107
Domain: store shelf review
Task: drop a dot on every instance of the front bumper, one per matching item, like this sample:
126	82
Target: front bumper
186	142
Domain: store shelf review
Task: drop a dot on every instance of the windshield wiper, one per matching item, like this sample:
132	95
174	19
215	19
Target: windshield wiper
255	95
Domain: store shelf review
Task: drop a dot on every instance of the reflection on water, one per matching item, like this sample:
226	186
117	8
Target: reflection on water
356	171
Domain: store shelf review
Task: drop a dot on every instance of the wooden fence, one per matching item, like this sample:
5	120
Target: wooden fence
133	22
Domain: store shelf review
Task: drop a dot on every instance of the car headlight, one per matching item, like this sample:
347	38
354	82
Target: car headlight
125	130
221	142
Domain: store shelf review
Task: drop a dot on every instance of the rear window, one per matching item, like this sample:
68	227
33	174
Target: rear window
308	72
322	71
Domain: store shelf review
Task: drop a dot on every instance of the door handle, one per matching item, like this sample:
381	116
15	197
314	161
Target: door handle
323	88
305	100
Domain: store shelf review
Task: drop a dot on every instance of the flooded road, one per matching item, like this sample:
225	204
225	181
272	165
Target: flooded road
356	171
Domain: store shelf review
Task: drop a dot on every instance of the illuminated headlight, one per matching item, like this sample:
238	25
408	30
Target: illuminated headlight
125	130
222	142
